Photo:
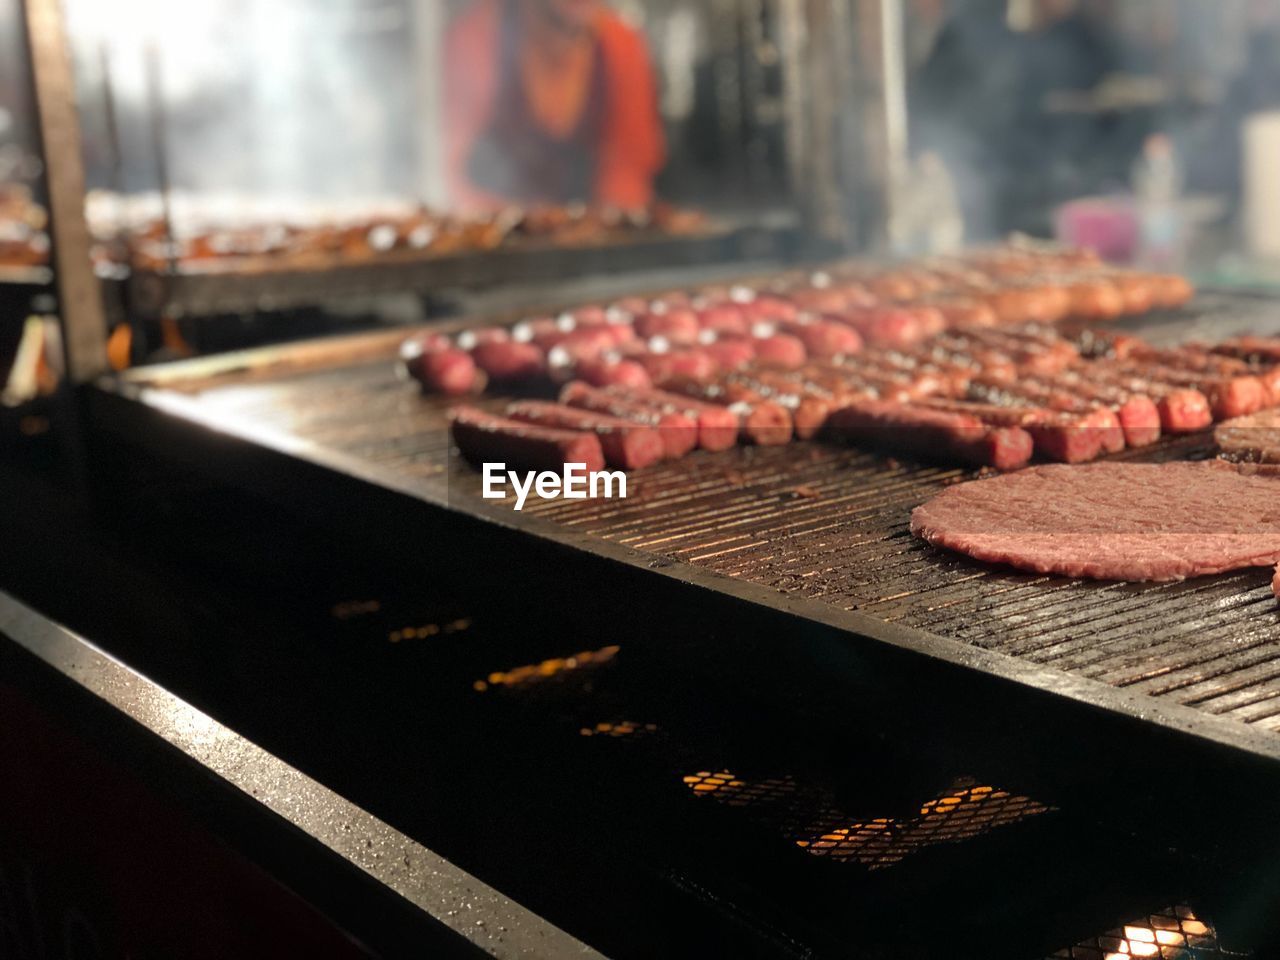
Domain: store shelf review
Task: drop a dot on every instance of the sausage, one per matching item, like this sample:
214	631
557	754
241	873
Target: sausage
823	338
630	306
1182	410
590	315
991	363
413	350
717	426
428	341
583	339
965	312
888	326
451	372
1028	352
1138	415
533	328
608	372
1170	291
577	346
780	350
931	433
888	380
625	444
1095	300
932	320
1111	434
730	352
809	407
485	438
770	308
679	433
844	382
1202	360
511	361
1012	304
893	286
824	299
692	362
757	420
954	377
1063	437
724	318
1229	396
477	335
676	325
1139	291
419	345
1258	350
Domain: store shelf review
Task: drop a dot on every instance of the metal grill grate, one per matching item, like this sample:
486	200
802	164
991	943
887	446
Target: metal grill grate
1174	934
830	524
807	817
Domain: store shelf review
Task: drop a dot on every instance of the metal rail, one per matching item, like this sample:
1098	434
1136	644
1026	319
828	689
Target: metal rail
79	292
449	895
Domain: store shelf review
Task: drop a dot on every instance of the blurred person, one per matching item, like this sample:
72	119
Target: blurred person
1070	49
549	101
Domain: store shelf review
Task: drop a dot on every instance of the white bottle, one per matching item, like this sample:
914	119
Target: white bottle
1157	187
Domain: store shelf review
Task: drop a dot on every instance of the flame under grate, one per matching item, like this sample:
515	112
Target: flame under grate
807	818
1174	934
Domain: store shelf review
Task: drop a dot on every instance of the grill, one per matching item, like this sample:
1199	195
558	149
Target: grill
816	531
270	286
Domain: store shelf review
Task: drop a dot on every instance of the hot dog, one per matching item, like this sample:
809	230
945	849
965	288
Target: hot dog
679	433
931	433
485	438
717	426
757	420
510	361
625	444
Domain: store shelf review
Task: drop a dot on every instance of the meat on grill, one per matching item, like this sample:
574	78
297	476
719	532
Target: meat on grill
1228	395
607	372
937	434
1255	439
1182	409
1030	392
510	361
1112	521
725	411
809	407
450	372
679	433
485	438
1058	436
627	445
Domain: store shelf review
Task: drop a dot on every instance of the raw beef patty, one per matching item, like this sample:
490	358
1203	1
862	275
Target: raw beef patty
1255	438
1112	521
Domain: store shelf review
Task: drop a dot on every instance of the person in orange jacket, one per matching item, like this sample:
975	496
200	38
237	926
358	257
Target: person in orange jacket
549	101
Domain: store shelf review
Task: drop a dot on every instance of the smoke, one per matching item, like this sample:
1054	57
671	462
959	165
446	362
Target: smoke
270	97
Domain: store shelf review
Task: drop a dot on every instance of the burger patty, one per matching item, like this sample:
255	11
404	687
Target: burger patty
1255	438
1112	521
